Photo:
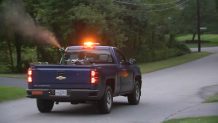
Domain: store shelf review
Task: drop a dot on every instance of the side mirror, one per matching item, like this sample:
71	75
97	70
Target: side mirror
132	61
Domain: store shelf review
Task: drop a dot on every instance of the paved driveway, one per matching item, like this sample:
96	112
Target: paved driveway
165	94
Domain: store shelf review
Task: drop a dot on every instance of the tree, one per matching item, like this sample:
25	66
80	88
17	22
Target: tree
141	26
185	21
216	4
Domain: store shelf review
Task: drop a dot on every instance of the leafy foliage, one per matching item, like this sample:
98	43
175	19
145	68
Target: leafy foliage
185	22
137	29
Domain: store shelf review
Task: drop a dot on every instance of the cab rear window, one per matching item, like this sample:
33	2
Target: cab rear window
94	55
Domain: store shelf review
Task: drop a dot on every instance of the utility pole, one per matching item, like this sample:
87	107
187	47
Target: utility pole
198	25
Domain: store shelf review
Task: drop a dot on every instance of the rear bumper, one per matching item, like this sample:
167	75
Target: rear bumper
72	94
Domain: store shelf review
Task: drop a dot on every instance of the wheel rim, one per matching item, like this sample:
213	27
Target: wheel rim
109	100
137	92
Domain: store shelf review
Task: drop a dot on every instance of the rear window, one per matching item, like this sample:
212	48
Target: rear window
94	55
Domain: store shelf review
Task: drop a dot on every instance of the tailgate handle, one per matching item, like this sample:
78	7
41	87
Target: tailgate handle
60	72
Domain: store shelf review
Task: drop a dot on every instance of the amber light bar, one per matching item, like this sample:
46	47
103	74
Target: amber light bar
90	44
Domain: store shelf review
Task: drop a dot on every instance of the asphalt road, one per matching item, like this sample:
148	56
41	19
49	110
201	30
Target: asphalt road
165	93
13	82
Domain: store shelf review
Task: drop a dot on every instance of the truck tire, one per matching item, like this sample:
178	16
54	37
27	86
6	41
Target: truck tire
105	104
44	106
134	97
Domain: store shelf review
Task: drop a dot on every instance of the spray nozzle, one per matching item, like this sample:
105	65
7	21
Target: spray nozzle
61	49
62	53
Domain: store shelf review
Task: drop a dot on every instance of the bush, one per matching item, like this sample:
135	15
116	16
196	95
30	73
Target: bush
164	54
143	54
4	68
182	47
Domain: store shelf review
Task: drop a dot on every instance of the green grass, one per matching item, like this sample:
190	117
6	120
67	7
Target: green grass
11	93
21	76
213	98
210	119
154	66
213	38
202	45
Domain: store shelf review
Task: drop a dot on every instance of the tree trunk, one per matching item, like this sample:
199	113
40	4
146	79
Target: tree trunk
193	38
37	53
18	51
18	43
170	44
43	53
152	39
34	39
10	53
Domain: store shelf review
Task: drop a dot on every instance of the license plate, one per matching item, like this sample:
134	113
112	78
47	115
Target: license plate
61	92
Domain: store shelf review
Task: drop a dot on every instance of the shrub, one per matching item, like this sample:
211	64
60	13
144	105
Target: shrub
181	46
144	54
4	68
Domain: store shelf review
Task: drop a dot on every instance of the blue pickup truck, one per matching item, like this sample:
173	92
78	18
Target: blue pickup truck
91	74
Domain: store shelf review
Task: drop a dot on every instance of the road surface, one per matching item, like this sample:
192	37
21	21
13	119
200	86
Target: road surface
165	93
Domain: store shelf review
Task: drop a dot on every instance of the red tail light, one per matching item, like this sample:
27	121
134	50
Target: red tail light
94	77
29	79
29	75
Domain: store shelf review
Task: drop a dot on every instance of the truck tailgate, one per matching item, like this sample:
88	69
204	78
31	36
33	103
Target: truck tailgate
62	77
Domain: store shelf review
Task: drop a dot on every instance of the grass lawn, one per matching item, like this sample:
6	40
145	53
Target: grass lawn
154	66
213	38
11	93
213	98
211	119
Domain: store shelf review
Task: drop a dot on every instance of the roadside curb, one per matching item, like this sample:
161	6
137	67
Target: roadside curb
199	110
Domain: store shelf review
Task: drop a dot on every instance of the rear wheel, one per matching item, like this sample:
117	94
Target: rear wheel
105	104
44	106
134	97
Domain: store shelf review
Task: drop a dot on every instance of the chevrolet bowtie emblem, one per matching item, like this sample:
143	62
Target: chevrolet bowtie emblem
60	78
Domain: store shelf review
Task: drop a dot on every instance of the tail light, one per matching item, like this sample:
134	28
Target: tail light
29	72
29	79
94	77
29	75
